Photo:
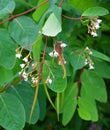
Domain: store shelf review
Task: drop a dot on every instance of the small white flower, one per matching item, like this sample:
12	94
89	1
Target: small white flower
96	25
86	62
50	81
56	54
20	73
18	55
22	65
99	21
26	79
25	76
91	67
25	59
34	80
94	34
87	48
51	54
63	45
90	52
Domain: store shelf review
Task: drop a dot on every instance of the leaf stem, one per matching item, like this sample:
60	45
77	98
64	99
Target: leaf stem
23	13
48	96
34	102
61	2
67	17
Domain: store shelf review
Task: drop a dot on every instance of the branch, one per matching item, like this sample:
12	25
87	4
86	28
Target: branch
67	17
23	13
61	2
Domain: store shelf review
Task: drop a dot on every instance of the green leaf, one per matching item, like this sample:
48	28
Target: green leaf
52	26
77	61
87	109
100	55
25	94
70	103
95	11
82	5
5	75
59	83
36	49
24	31
40	11
12	113
100	66
94	86
6	7
7	50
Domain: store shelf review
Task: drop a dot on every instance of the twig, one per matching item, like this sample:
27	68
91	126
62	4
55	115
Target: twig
67	17
37	85
61	2
23	13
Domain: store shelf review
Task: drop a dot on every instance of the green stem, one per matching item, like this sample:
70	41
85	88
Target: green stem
58	105
34	103
48	96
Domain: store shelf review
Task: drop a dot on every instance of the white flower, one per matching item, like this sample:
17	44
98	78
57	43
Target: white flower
50	81
90	52
91	67
22	65
20	73
56	54
34	80
63	45
94	34
87	48
25	76
18	55
25	59
96	25
86	62
51	54
99	21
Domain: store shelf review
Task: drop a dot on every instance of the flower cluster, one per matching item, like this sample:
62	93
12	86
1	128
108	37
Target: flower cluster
88	60
25	65
94	26
57	52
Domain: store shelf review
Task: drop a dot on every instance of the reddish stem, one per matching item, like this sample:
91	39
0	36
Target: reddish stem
70	18
23	13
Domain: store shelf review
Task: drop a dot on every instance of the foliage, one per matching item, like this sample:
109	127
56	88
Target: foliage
57	50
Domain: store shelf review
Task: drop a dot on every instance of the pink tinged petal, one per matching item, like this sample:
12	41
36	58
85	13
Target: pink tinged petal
99	21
